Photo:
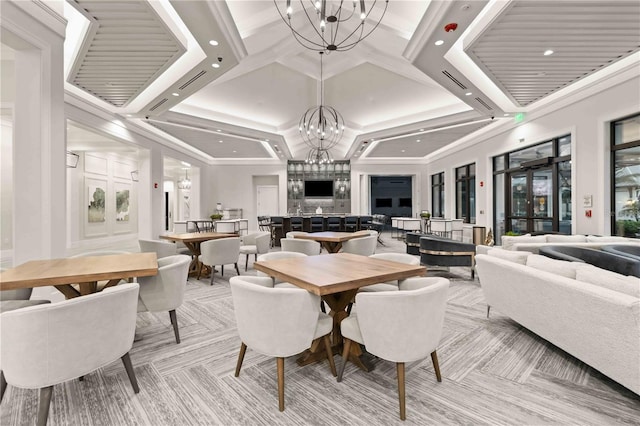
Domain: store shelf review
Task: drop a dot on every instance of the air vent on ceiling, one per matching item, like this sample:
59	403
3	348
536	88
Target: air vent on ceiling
153	108
192	79
483	103
455	80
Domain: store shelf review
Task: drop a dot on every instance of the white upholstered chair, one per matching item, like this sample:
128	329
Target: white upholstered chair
399	326
275	255
224	251
394	257
44	345
161	248
278	322
365	246
308	247
255	243
294	234
11	300
165	291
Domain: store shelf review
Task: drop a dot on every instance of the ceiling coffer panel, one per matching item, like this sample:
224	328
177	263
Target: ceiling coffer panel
585	36
127	47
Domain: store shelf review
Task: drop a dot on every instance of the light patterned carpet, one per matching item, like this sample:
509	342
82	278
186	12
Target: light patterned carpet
494	372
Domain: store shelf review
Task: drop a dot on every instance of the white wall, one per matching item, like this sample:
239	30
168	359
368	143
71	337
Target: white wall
587	122
233	186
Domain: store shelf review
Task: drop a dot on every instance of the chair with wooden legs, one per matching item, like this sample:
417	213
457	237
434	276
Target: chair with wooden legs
278	322
399	326
49	344
165	292
223	251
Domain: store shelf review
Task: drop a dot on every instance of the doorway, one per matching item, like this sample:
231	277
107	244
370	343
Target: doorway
267	200
532	206
392	196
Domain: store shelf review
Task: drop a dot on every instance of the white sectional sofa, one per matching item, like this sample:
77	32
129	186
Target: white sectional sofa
588	312
533	243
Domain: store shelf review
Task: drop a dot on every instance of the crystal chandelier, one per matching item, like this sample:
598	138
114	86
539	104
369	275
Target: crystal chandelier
186	182
328	25
321	128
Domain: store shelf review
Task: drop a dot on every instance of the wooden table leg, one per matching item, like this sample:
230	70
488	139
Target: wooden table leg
332	247
337	303
68	291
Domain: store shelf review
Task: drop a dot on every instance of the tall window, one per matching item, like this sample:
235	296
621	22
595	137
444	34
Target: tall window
625	179
533	189
437	195
466	193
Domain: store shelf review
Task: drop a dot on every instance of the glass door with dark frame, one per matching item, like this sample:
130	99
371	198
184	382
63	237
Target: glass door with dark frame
531	201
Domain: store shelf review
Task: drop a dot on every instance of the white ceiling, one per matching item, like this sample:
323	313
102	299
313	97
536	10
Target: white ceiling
387	88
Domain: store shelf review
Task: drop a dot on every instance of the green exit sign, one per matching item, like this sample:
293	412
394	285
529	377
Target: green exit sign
518	117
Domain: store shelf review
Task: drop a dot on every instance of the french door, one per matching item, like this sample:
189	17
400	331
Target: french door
532	208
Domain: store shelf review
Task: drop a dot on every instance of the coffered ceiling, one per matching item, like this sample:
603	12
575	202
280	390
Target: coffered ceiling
242	96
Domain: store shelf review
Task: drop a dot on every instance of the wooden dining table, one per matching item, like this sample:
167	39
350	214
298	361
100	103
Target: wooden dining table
330	240
85	271
336	278
193	240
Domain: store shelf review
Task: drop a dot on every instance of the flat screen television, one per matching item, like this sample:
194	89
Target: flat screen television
318	188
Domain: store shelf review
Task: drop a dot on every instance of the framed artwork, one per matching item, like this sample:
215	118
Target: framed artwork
96	199
122	203
95	203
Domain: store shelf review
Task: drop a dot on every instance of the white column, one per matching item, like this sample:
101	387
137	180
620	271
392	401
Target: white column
39	177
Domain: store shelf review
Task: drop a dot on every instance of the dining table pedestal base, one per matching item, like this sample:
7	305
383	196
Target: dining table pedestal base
338	303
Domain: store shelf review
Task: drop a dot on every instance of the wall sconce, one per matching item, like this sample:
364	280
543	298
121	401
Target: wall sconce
134	176
72	160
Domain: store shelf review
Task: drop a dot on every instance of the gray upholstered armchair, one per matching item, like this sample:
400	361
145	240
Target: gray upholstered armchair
165	291
400	326
278	322
44	345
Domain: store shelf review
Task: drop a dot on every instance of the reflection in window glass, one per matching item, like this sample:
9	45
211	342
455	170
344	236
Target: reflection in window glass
498	188
437	195
627	130
532	153
564	196
564	146
627	192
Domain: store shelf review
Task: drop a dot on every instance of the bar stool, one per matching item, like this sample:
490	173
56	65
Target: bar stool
296	223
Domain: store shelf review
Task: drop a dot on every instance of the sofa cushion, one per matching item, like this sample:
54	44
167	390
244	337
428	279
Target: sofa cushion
512	256
611	280
605	239
559	267
509	241
551	238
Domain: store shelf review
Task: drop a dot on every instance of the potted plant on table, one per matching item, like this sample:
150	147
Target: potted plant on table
425	215
216	216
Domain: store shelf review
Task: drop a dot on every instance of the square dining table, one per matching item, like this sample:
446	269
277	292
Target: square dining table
192	240
85	271
330	240
336	278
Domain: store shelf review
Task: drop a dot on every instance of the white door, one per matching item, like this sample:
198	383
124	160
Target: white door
267	198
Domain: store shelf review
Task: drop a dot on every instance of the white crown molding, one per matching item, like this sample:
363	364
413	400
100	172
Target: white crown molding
44	14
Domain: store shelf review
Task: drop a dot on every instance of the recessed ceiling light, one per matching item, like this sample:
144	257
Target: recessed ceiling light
422	130
215	65
234	151
417	140
468	94
439	42
218	130
506	114
129	115
402	150
219	141
213	42
267	140
548	52
175	94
